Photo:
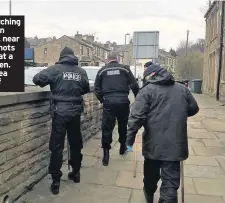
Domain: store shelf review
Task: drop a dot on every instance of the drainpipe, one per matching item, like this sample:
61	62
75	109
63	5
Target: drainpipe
221	52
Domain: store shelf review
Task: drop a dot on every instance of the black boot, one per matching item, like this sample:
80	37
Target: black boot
55	187
75	176
123	149
149	198
105	160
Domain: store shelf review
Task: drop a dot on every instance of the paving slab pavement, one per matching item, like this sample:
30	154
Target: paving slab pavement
204	170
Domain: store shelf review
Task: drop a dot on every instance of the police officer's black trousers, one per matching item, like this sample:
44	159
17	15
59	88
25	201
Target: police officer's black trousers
60	126
170	176
111	112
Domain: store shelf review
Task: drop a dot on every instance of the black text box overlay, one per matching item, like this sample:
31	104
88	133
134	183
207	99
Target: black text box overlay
12	53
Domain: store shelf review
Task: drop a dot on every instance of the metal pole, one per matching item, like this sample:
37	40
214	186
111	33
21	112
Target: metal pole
182	181
221	52
125	44
186	51
135	68
154	58
187	43
126	38
10	7
135	157
68	151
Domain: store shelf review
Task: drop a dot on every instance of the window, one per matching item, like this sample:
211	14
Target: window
215	23
212	27
102	53
207	30
45	51
82	50
218	21
84	64
98	53
88	53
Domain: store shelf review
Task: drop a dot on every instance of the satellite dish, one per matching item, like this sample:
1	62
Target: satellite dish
6	199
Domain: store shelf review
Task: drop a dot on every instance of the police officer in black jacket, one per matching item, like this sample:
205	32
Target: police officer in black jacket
112	86
68	83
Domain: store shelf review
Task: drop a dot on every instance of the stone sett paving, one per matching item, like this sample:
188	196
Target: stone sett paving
204	170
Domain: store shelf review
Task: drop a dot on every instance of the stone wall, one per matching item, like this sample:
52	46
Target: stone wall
54	48
25	127
211	53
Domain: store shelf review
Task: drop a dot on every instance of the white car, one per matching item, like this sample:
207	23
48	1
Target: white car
30	72
91	72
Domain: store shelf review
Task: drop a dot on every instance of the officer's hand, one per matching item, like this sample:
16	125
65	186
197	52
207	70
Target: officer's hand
129	148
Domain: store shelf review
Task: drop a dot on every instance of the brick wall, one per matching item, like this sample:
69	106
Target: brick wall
25	127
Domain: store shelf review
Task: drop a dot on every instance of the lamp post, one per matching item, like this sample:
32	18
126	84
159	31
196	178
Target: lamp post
126	38
10	7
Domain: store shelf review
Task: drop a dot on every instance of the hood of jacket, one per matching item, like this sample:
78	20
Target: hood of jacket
161	77
67	57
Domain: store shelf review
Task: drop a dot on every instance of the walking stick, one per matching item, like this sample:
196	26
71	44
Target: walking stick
68	151
182	182
135	159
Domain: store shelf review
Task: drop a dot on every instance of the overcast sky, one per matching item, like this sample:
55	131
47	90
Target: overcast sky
110	20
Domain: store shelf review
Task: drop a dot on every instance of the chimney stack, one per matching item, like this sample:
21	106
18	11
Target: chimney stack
78	36
106	46
89	38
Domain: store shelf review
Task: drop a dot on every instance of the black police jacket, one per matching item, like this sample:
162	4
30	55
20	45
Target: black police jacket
162	106
113	83
68	82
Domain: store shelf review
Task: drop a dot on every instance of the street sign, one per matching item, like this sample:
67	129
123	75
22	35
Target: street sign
146	45
29	54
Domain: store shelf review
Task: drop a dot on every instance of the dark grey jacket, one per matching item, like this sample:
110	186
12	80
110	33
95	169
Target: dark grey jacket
162	106
67	81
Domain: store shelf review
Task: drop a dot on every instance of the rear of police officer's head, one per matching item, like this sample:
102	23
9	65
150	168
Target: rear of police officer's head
112	57
66	51
67	57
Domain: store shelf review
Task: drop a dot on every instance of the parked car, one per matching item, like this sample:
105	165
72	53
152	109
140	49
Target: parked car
30	72
91	72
